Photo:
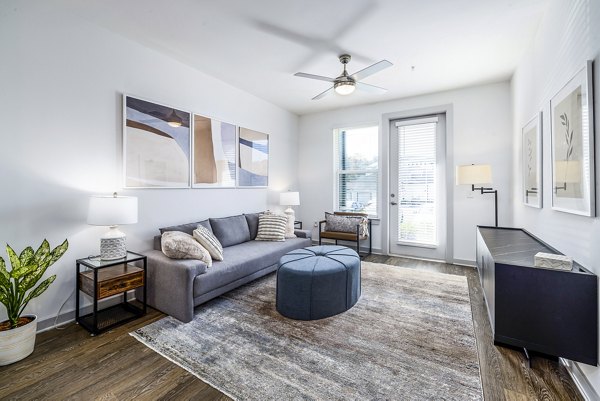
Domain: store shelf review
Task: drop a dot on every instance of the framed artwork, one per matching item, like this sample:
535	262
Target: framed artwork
156	145
214	153
532	162
253	161
573	189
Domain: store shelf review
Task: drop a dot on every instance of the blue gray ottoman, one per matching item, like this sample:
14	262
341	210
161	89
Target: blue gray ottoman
317	282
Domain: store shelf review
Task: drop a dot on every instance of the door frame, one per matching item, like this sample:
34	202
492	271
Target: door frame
384	151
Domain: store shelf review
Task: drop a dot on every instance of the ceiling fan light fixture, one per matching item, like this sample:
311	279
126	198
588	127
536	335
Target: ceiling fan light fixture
174	120
344	88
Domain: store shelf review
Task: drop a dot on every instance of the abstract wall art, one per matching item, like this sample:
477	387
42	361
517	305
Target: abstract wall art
156	145
253	162
573	189
532	162
214	153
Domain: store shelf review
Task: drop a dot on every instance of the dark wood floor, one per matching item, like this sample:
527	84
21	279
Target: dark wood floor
69	364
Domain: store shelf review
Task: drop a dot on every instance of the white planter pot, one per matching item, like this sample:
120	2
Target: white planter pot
16	344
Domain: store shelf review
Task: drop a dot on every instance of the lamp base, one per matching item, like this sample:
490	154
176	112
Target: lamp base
291	217
112	244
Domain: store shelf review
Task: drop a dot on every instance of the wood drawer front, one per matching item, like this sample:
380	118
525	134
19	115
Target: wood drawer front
119	285
110	284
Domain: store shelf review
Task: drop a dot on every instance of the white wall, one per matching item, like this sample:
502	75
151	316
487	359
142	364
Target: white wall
568	36
482	134
61	81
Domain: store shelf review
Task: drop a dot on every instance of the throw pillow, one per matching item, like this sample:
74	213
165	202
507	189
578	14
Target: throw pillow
346	224
271	227
179	245
208	240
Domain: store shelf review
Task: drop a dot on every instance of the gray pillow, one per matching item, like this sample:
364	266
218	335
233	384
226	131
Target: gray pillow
186	228
231	230
252	220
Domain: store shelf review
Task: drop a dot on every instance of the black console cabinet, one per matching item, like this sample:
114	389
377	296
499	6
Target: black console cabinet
549	311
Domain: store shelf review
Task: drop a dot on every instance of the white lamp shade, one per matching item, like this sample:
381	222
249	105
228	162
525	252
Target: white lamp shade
289	198
112	210
474	174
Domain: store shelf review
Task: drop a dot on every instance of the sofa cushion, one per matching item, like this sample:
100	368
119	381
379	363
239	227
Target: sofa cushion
179	245
271	227
252	220
244	259
186	228
231	230
209	241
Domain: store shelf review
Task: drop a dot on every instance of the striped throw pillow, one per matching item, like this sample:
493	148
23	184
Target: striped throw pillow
209	241
271	227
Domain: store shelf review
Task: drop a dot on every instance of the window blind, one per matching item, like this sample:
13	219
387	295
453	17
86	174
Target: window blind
417	184
357	170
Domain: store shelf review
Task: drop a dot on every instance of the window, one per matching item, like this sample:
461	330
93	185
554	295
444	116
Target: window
357	169
417	181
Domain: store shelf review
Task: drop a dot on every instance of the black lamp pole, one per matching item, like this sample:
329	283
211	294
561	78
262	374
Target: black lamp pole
489	191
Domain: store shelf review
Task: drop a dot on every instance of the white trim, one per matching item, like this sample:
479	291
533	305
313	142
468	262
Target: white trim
583	385
463	262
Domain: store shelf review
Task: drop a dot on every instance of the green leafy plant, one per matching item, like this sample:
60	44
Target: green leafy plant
16	286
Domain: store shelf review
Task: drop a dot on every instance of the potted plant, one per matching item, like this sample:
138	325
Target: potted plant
17	334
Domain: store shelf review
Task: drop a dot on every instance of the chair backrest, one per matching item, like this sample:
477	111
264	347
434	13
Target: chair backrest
356	214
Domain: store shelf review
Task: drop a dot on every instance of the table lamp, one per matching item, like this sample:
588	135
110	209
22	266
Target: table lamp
478	174
112	211
289	199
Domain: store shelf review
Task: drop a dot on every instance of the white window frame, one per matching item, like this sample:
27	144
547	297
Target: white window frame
337	173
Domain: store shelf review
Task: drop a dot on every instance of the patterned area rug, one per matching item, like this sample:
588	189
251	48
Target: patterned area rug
409	337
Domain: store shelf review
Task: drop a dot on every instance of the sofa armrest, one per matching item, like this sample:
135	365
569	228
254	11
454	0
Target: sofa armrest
170	284
303	233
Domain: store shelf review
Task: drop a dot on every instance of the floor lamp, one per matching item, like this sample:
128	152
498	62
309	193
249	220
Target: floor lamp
478	174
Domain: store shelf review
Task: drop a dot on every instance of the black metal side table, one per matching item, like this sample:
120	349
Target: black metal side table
106	278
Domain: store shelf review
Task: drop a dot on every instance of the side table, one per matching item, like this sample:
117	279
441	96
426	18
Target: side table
103	279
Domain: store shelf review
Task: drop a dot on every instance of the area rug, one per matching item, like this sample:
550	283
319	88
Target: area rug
409	337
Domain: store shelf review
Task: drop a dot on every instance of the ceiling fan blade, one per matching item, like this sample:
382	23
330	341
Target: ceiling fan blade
370	88
370	70
323	94
312	76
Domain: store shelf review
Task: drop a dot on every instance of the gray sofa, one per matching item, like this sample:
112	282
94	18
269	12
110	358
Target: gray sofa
176	286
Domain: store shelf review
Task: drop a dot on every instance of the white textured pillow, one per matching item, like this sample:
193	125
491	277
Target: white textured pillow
178	245
271	227
209	241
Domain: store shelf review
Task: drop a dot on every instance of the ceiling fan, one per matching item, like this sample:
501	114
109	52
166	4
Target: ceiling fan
345	84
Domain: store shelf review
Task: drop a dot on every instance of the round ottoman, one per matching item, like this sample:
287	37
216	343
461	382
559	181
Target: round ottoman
317	282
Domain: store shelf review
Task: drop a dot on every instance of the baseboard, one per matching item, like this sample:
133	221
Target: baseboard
69	316
463	262
583	385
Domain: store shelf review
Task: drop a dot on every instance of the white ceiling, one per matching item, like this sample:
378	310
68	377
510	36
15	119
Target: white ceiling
258	45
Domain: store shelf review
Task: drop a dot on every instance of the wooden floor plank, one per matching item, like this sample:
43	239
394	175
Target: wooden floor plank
70	364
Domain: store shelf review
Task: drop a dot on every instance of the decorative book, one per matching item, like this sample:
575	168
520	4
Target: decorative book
553	261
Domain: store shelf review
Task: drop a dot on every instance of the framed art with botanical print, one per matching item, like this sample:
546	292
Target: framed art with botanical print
532	162
572	116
